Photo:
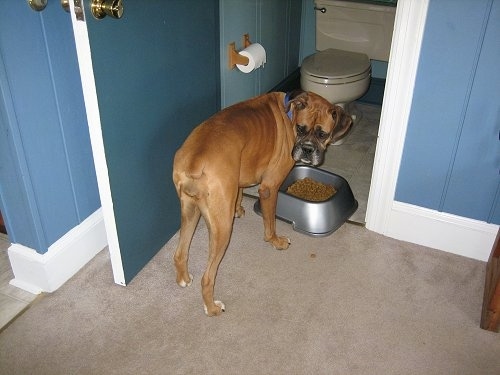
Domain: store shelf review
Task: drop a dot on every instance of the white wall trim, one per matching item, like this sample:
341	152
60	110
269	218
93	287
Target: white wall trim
442	231
38	273
398	96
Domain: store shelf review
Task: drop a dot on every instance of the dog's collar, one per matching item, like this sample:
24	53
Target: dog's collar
287	99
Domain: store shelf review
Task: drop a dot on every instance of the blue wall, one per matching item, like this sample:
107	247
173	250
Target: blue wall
451	156
47	177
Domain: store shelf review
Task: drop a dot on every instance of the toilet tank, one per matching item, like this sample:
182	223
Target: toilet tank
355	26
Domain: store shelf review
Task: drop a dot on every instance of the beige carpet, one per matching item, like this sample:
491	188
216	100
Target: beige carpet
351	303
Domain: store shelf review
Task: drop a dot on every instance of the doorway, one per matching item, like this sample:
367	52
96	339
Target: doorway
354	158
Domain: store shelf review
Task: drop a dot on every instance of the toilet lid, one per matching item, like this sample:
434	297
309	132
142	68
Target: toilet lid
335	63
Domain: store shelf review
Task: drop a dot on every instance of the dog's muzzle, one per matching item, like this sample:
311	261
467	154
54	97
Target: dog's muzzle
307	153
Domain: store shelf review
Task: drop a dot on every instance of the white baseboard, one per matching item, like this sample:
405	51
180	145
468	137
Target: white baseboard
38	273
442	231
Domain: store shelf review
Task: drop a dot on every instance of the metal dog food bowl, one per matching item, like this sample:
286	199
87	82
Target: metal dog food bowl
314	218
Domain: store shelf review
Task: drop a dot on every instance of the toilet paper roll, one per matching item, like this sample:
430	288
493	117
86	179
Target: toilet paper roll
256	57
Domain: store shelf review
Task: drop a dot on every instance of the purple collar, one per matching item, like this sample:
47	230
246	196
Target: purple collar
287	99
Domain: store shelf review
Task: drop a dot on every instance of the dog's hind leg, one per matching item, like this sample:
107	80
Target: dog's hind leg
190	215
239	211
220	225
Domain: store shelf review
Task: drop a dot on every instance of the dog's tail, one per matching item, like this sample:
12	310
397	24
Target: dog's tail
188	171
188	181
185	184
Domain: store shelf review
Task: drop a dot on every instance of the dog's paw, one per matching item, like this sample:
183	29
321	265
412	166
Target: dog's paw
217	309
240	212
183	283
280	243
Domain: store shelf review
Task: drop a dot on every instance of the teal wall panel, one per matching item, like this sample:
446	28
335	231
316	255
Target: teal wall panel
276	24
280	35
308	30
236	19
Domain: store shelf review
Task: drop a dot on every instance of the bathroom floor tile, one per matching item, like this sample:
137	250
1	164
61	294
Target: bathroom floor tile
10	308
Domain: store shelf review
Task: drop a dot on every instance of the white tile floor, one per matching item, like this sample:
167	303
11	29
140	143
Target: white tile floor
13	301
353	159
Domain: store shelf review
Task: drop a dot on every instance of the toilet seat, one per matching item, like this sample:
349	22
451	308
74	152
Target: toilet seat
336	67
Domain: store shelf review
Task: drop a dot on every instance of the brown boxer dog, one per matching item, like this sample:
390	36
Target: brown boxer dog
253	142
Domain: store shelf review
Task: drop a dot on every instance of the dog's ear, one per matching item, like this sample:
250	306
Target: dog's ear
297	99
342	121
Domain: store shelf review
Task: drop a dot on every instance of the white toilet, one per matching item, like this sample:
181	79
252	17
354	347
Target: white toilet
348	35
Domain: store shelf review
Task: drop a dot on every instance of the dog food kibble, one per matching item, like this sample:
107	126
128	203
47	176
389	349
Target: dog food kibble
311	190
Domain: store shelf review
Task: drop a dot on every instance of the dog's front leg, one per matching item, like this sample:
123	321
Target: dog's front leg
268	198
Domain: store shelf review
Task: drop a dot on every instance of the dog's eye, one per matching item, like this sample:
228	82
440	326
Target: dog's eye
301	129
321	134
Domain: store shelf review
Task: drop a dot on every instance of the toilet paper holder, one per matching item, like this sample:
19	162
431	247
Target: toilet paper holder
234	57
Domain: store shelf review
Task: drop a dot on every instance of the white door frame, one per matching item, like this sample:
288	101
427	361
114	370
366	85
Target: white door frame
401	73
94	122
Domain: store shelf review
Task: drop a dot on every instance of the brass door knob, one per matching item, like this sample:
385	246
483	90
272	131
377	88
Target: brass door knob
103	8
37	5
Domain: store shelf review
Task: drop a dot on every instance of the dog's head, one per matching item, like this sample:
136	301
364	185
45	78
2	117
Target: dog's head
316	123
